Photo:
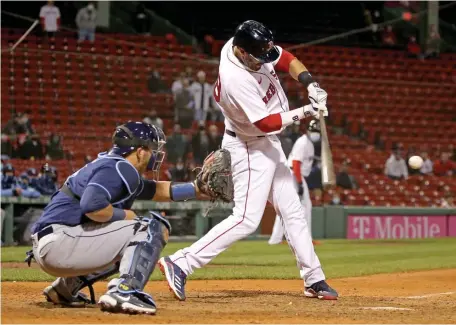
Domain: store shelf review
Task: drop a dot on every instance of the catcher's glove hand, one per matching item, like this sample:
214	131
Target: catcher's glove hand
215	179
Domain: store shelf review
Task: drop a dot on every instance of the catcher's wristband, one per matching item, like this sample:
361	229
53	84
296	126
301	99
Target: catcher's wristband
182	191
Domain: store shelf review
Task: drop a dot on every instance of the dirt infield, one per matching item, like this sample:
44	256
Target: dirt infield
418	297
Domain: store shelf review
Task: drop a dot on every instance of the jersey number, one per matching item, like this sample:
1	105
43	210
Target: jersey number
217	90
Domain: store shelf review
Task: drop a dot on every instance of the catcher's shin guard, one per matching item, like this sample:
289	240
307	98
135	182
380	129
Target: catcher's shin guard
145	255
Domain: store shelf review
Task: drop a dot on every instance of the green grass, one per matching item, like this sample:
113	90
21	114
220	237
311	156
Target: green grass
258	260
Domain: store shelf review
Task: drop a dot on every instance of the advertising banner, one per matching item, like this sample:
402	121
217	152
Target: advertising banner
399	227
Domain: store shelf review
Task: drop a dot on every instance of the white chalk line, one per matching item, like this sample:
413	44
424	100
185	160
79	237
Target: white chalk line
431	295
386	308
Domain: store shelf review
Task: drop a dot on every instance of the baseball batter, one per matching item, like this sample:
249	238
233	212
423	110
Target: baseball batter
88	231
300	161
255	107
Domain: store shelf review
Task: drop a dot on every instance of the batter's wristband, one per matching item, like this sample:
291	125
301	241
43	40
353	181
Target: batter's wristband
118	214
305	78
182	191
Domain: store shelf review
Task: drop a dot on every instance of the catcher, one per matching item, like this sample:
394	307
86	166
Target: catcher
88	231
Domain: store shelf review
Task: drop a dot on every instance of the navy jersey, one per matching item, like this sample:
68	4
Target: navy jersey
109	174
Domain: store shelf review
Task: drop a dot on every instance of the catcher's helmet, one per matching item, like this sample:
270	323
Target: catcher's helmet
133	135
314	126
257	40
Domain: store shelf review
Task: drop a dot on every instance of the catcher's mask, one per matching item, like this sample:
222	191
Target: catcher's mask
133	135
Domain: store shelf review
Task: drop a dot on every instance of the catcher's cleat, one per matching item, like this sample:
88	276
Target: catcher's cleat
175	277
51	295
129	303
321	290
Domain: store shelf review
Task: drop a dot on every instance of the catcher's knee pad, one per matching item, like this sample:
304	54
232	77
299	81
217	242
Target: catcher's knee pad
146	254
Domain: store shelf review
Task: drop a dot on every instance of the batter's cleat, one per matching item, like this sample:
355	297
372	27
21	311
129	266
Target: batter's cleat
128	303
175	277
321	290
56	298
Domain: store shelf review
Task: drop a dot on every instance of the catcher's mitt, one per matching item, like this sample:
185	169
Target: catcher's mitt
215	178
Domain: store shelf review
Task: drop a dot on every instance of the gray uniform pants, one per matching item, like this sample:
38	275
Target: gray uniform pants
70	252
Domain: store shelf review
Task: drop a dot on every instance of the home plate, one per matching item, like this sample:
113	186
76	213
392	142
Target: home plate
386	308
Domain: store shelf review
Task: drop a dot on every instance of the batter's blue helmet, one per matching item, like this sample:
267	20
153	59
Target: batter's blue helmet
133	135
257	40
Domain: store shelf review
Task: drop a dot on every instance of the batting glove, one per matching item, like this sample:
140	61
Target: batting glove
313	110
316	94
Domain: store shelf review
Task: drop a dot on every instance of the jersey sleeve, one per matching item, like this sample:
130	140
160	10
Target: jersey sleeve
42	12
148	190
280	54
248	98
109	181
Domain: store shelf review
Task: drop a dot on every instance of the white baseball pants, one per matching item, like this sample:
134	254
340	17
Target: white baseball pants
278	230
260	174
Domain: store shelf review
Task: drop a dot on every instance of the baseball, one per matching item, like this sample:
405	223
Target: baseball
415	162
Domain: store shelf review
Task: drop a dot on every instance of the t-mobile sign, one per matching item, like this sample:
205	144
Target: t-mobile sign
397	227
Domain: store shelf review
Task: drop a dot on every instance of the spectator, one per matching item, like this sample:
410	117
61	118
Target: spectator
46	183
433	42
426	169
448	200
54	149
142	20
7	147
183	106
395	167
177	173
189	74
200	145
202	94
345	180
86	20
444	166
215	139
31	148
413	48
295	132
19	124
176	145
87	159
178	84
27	190
335	200
153	119
10	186
192	171
388	37
50	19
155	84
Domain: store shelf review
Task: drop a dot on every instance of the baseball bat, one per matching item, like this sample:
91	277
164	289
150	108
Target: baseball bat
328	176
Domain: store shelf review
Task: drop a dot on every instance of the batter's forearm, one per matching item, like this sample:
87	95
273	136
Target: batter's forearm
296	68
275	122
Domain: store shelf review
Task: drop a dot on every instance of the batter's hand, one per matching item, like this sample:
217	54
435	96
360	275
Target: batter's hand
313	110
317	96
